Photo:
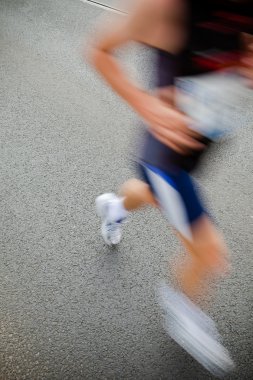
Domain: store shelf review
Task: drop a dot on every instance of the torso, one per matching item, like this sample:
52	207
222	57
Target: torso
172	59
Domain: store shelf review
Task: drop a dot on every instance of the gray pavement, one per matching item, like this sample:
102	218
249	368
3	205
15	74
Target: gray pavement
70	307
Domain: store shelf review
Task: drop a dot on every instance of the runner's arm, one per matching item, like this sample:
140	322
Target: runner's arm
166	123
102	56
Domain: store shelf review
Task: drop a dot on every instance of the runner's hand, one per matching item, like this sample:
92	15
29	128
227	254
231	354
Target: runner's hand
168	125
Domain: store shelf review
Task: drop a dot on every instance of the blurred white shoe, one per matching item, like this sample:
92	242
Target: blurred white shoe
194	331
112	213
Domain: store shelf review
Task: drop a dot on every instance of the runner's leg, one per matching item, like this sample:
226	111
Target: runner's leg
136	194
206	259
184	320
114	209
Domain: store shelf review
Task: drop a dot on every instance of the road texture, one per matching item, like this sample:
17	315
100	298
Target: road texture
71	308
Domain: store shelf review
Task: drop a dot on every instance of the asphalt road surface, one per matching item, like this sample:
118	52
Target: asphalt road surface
71	308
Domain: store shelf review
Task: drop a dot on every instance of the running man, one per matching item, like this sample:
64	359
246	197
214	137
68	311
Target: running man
180	32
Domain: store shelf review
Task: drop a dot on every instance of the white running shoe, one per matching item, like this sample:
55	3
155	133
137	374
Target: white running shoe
109	208
194	331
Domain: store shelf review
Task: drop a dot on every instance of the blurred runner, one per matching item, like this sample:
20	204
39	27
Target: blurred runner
192	41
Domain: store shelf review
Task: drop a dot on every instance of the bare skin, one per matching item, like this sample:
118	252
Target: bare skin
137	194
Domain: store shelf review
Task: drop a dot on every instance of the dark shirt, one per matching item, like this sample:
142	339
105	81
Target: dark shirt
214	28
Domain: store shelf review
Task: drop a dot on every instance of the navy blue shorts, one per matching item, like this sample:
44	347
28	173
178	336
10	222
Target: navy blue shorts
177	196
